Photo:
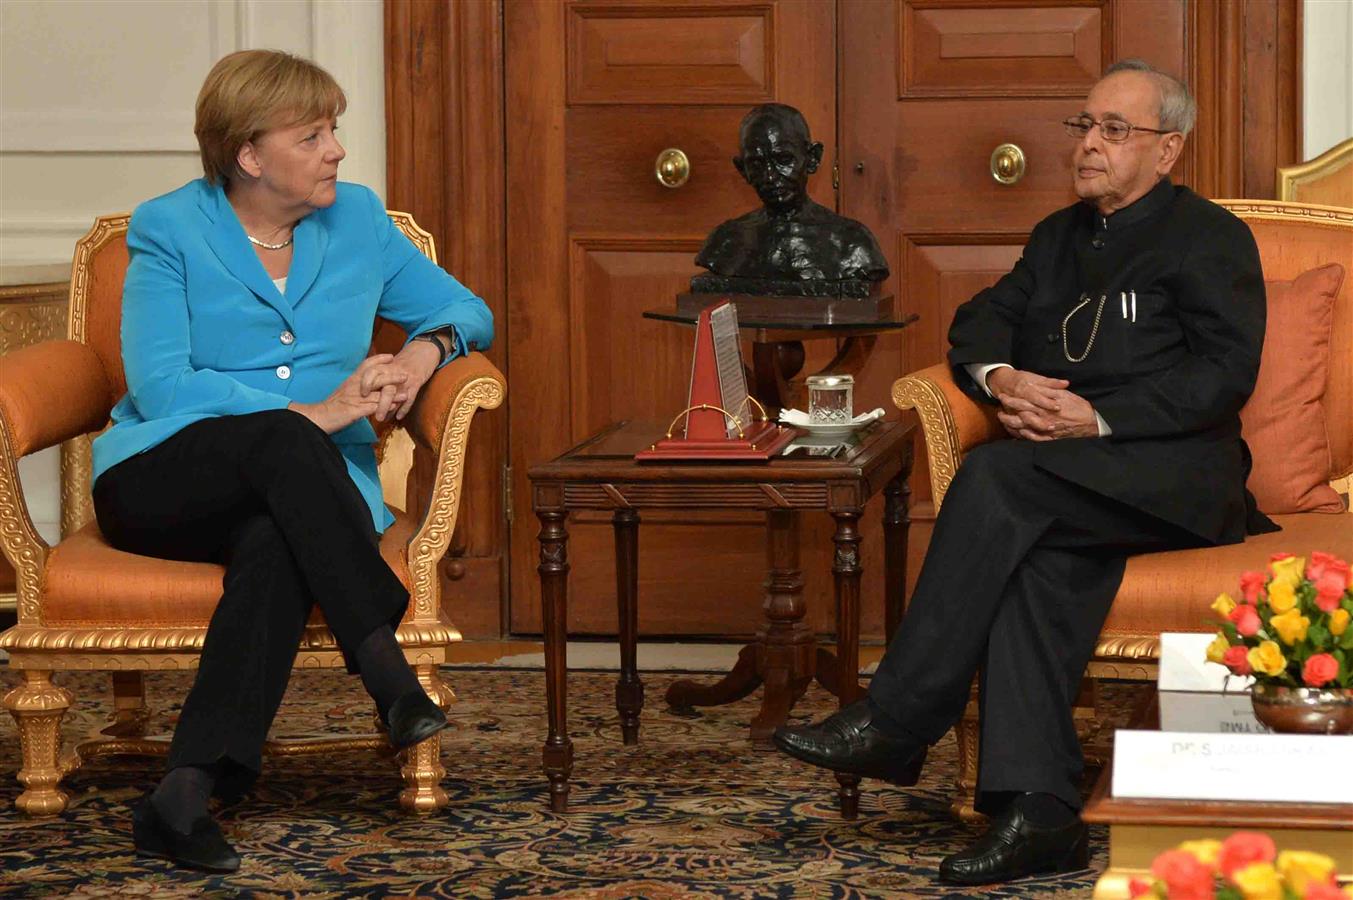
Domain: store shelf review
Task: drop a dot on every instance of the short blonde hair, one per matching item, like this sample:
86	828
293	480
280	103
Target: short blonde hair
252	91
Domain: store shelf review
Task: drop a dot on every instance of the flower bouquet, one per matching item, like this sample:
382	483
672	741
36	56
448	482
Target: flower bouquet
1290	631
1245	866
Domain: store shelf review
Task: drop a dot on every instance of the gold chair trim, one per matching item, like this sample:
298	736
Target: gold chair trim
938	426
1332	160
24	638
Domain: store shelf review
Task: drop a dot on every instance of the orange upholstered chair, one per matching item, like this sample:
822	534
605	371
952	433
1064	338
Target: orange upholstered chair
1171	591
84	605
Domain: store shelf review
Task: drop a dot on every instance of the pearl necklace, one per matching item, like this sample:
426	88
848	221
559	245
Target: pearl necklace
282	246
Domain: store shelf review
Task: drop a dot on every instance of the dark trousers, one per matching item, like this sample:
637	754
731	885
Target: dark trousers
269	496
1020	574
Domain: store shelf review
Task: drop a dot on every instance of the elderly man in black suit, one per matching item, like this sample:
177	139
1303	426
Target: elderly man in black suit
1120	350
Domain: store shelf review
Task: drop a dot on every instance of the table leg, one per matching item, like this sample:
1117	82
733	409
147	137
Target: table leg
782	658
553	568
786	660
629	690
896	523
846	570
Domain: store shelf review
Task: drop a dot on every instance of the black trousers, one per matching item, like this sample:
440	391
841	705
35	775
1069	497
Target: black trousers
1020	574
269	496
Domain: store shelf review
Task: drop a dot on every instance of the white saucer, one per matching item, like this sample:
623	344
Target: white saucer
830	431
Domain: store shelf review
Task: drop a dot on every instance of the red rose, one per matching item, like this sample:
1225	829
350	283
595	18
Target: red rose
1319	669
1278	557
1237	659
1185	878
1243	848
1246	619
1251	583
1322	562
1140	887
1328	589
1318	891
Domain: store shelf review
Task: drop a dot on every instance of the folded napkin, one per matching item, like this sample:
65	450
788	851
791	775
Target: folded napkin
799	419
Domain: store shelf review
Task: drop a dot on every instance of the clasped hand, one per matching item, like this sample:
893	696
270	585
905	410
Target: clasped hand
382	385
1037	408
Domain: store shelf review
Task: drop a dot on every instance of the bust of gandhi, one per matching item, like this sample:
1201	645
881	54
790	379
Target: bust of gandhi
791	246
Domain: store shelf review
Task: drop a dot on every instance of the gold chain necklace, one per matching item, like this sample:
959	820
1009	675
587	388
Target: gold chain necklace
1094	329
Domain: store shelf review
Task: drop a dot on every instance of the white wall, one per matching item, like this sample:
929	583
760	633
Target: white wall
1327	74
96	115
96	100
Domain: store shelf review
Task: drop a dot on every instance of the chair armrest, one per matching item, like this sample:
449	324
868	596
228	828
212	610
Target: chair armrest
49	392
52	392
440	422
953	422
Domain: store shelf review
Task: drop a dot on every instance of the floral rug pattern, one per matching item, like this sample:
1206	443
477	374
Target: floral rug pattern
693	811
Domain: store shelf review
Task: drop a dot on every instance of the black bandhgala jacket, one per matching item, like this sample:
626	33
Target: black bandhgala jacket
1168	373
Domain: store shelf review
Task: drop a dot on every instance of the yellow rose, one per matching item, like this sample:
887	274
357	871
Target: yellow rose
1301	868
1203	851
1287	571
1291	626
1338	621
1215	651
1281	596
1258	881
1267	659
1223	605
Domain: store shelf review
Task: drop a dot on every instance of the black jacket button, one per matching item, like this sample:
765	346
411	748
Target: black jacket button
1052	338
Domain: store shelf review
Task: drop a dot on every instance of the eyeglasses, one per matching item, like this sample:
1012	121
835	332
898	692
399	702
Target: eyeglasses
1114	130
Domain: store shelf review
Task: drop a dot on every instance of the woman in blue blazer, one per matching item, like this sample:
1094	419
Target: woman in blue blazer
248	310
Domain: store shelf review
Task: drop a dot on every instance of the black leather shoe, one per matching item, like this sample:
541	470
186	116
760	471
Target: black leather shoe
204	847
414	718
1014	847
848	741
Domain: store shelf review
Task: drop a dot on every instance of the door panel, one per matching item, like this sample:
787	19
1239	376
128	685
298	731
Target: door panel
997	52
706	53
595	91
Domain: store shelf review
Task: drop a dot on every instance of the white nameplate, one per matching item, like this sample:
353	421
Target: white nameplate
1207	711
1184	666
1277	768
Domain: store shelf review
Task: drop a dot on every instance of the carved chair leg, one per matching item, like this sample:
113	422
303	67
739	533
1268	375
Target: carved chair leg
965	780
131	717
38	706
421	765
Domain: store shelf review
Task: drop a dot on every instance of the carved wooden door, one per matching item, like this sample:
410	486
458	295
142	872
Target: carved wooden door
596	90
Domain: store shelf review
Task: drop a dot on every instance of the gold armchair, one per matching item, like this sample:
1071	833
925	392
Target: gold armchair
1170	591
84	605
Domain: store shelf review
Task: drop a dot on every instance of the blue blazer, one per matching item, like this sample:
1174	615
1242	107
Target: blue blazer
205	332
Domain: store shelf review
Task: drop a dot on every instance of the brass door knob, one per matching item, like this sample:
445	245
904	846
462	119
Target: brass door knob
672	169
1007	164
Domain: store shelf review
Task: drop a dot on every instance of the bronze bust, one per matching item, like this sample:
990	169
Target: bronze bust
792	246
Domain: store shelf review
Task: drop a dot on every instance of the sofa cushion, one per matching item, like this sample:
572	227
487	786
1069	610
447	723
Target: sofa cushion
88	583
1171	591
1284	422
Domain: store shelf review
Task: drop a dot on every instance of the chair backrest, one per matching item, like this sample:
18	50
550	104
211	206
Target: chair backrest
1295	237
95	319
1327	179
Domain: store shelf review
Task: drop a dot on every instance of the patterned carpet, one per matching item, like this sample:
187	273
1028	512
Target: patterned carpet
692	811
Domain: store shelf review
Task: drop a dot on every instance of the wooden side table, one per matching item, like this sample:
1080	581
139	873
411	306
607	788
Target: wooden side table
601	474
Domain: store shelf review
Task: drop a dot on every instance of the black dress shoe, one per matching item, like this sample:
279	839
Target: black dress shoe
848	741
1013	847
203	847
413	718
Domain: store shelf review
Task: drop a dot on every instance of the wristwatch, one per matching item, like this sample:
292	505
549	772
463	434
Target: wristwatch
434	337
